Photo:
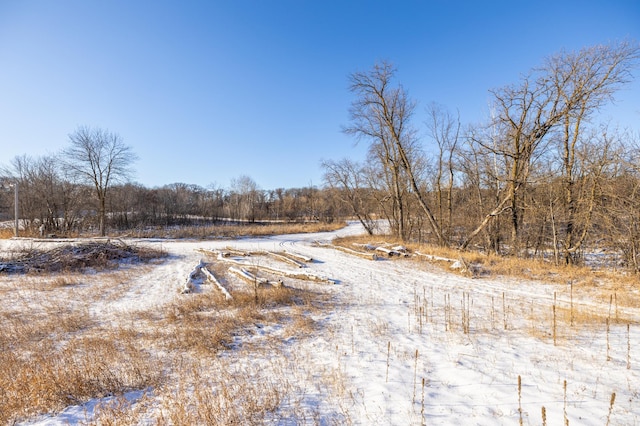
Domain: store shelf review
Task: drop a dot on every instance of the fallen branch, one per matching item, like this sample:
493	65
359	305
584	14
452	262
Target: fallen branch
286	259
214	280
370	256
296	275
253	279
368	247
235	252
388	252
299	256
219	254
432	257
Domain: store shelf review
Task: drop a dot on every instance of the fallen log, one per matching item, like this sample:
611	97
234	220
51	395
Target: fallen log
370	256
220	255
253	279
188	286
388	252
286	259
236	252
368	247
289	274
438	258
214	280
296	275
299	256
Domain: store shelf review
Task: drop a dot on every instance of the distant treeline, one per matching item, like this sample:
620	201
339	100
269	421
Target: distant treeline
65	207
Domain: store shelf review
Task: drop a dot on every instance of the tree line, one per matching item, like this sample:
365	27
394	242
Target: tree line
85	189
543	176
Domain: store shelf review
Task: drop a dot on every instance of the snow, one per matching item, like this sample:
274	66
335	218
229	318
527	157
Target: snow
410	343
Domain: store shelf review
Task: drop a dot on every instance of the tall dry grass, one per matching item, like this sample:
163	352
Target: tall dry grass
597	284
44	368
55	351
218	230
231	230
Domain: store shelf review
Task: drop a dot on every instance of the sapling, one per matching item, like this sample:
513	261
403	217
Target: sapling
571	296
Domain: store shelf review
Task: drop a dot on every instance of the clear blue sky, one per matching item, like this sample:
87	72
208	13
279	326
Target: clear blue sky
207	91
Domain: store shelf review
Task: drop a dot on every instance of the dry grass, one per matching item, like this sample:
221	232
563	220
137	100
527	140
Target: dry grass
234	230
6	233
55	352
219	230
598	285
46	374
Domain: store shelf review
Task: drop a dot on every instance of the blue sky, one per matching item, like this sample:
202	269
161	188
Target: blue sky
207	91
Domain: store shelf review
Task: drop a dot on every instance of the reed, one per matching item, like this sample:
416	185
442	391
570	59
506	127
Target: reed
564	406
520	400
612	401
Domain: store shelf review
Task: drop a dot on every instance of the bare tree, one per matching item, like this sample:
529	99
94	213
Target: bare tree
584	81
348	177
23	170
382	113
98	158
619	216
444	129
247	196
555	99
524	115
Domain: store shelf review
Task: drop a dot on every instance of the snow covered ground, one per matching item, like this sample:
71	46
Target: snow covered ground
404	342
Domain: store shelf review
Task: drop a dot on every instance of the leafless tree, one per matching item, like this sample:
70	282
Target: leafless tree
553	100
585	81
619	216
348	177
100	159
381	113
246	196
48	199
444	129
524	115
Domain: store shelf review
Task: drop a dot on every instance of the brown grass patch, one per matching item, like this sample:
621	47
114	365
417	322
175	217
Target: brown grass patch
596	284
49	376
57	354
6	233
233	230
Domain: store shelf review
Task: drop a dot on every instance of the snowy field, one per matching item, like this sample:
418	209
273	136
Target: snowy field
396	342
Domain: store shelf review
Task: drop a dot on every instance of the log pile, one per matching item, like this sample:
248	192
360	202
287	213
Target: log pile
76	257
